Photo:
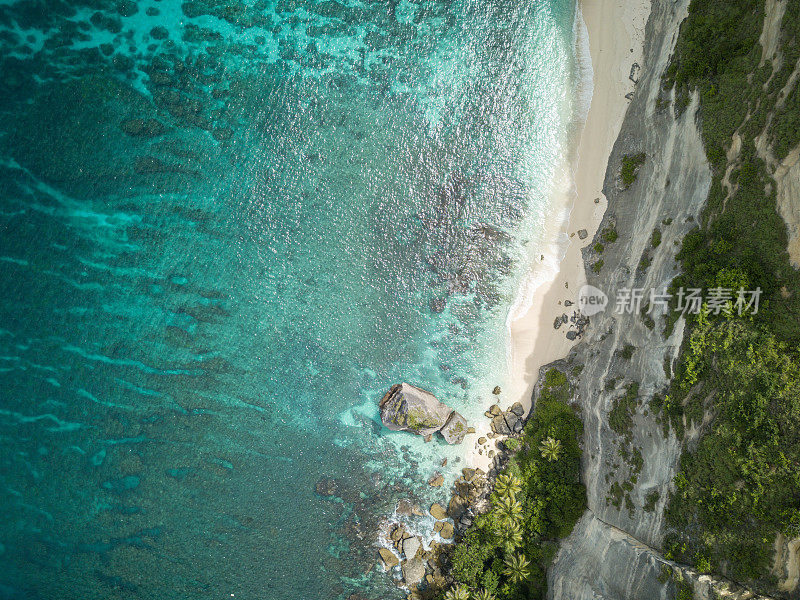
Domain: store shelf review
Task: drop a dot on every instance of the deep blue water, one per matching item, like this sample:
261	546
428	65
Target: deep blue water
225	229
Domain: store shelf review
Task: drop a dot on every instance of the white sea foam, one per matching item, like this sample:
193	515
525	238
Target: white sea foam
544	260
585	71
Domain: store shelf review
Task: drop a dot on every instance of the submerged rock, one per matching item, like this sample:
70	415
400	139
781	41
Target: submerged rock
403	507
437	305
143	127
436	481
127	8
159	33
327	486
388	558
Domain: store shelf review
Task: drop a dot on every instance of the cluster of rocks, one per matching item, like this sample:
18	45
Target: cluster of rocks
421	567
470	496
508	422
422	570
577	323
407	550
408	408
444	528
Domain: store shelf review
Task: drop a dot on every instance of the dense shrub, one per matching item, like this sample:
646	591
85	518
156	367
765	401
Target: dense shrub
545	488
630	164
744	474
609	235
737	377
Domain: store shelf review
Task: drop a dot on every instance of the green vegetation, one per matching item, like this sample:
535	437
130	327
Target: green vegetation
621	416
684	591
598	247
785	126
627	351
655	239
741	373
550	448
644	262
596	267
609	235
665	575
650	500
630	165
536	500
784	130
744	473
718	53
458	592
616	495
636	462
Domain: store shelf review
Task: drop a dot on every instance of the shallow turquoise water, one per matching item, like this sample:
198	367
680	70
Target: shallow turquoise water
199	316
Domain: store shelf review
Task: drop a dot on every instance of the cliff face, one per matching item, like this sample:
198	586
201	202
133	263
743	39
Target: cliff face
628	467
630	458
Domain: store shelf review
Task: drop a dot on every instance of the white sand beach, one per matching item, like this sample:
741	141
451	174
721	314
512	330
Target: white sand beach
616	36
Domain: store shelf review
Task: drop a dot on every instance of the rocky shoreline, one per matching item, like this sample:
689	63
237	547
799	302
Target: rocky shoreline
402	551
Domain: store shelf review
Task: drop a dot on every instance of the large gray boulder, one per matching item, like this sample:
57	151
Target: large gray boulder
413	572
409	408
410	547
500	426
455	429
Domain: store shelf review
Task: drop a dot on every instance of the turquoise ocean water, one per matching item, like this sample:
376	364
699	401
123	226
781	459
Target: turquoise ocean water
225	229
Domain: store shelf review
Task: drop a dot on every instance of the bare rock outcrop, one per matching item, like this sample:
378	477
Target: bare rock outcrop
613	552
408	408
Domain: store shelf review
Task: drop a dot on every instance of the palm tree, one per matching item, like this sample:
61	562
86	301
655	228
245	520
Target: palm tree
550	448
517	568
509	510
507	484
459	592
483	595
511	538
